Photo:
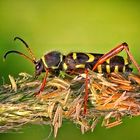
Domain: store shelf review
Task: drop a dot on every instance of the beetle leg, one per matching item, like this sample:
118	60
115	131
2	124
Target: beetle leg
115	51
86	92
43	83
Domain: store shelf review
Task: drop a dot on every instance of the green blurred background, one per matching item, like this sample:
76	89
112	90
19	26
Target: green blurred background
68	25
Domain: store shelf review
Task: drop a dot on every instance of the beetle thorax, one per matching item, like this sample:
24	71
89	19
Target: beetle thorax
52	60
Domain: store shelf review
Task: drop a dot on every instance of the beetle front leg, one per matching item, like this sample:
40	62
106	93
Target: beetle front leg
115	51
43	83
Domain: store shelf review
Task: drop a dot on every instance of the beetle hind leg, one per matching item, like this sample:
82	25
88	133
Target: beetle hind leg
86	91
115	51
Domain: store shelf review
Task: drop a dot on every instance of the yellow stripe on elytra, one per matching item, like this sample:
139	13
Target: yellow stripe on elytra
99	68
80	66
108	60
116	69
44	62
65	66
124	68
126	61
74	55
107	68
91	57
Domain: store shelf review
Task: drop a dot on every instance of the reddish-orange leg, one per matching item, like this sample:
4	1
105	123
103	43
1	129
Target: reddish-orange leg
114	52
43	83
86	92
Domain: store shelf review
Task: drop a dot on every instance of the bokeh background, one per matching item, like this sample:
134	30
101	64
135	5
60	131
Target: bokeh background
67	25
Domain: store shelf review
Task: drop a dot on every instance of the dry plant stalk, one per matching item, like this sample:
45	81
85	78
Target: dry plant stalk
111	96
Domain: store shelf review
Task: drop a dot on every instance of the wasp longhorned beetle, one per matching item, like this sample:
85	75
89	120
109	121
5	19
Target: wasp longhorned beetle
78	62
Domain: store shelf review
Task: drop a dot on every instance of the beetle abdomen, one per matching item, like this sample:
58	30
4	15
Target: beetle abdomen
81	61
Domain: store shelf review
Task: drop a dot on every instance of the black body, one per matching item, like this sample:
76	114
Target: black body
82	59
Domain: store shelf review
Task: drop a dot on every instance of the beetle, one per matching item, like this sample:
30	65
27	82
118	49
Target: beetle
78	62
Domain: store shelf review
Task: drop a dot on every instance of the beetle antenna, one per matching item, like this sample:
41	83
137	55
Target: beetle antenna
27	46
21	54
